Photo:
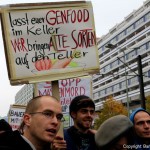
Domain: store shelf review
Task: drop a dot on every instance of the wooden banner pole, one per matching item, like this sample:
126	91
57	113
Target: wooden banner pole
55	93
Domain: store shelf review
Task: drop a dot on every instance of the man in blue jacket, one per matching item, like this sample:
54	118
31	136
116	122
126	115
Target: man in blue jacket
141	120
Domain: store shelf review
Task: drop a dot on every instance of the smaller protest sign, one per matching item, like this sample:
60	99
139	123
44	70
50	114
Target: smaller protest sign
68	89
15	116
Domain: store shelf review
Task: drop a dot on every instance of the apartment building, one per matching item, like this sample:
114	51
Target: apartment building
25	94
118	74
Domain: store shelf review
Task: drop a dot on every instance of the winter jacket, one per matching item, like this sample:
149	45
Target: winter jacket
79	141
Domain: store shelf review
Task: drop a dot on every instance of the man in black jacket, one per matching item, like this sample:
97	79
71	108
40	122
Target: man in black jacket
40	125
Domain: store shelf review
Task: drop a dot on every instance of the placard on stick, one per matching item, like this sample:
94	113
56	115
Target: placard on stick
68	89
49	41
15	115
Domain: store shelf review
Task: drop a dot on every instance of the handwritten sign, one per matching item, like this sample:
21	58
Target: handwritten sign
68	89
52	41
15	115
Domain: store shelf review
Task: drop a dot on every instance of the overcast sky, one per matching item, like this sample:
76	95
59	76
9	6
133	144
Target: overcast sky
107	13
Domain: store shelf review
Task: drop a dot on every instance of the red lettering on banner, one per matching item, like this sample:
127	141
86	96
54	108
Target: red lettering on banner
48	84
85	38
78	80
19	44
65	101
71	91
54	17
45	92
69	82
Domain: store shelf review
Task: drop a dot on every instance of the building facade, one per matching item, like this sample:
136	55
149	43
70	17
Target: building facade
118	74
24	95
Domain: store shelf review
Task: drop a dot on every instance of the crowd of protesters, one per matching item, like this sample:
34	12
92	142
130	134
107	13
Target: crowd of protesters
43	117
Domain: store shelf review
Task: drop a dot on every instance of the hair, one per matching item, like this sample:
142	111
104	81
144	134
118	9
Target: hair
79	102
32	106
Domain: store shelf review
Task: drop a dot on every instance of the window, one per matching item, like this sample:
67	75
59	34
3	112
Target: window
121	60
139	22
131	54
103	48
103	69
114	64
133	80
123	84
147	16
116	87
148	73
122	34
108	90
96	94
148	45
102	92
130	29
113	41
107	68
141	49
145	74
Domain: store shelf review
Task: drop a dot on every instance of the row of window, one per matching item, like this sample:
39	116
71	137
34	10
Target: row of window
128	56
119	86
127	31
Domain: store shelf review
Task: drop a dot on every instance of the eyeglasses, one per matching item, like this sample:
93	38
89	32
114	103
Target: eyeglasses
50	115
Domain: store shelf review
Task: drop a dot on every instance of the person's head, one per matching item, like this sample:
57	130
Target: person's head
141	120
113	133
42	119
82	110
4	126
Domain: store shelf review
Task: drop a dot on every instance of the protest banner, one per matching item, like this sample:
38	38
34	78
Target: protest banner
68	89
49	41
15	115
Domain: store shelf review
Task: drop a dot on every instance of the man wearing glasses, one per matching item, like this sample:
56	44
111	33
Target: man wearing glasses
41	122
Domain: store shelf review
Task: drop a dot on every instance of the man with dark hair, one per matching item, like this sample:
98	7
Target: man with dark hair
41	122
79	136
141	121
